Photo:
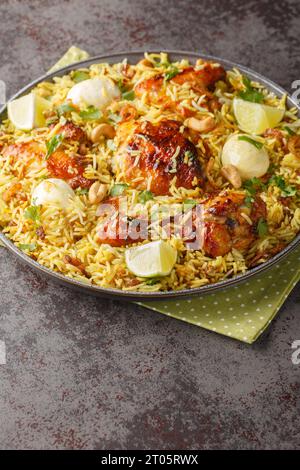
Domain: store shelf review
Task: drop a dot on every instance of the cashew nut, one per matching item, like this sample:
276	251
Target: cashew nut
97	192
105	130
232	175
203	125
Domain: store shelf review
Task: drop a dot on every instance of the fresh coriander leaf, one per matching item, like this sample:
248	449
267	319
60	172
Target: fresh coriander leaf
27	246
289	191
128	95
152	282
272	167
250	93
114	117
256	144
53	144
90	113
247	82
189	204
262	227
118	189
289	130
248	201
33	213
171	73
253	185
277	181
82	191
79	76
286	190
65	108
121	86
111	145
145	196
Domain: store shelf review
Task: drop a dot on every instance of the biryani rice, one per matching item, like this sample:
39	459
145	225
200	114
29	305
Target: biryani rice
73	233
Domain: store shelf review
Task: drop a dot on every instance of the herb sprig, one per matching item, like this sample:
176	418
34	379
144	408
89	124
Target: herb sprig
250	93
53	144
256	144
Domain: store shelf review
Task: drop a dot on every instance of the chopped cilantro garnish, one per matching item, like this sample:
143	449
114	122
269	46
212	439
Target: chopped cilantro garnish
128	95
256	144
171	73
145	196
27	246
151	282
262	227
189	204
289	130
250	93
253	185
33	213
249	201
286	190
65	108
90	113
81	191
53	144
79	76
118	189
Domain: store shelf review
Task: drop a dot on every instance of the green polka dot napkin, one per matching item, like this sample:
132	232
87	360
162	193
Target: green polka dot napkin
242	312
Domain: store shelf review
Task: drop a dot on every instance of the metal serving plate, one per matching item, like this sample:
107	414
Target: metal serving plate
134	57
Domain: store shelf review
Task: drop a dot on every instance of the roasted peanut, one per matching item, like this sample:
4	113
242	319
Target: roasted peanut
203	125
97	192
232	175
102	130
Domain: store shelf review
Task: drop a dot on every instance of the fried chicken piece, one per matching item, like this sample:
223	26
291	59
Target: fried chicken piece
68	168
70	131
226	223
118	229
159	152
28	152
202	81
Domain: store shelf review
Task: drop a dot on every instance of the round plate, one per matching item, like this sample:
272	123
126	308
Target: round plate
134	57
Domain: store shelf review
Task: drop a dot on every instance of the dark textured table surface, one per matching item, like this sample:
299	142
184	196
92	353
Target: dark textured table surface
83	372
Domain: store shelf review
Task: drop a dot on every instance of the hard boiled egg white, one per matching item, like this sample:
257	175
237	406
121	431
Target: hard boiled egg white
249	160
98	92
52	190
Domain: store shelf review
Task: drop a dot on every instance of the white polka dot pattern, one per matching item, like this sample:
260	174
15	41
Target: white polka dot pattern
243	320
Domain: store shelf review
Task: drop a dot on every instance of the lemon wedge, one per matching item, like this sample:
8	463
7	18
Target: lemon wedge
153	259
255	118
26	112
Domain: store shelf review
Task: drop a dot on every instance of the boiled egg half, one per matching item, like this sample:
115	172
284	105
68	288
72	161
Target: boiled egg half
249	158
52	191
97	92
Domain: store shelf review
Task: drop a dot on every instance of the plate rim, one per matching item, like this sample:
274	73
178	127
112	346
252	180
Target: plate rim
136	295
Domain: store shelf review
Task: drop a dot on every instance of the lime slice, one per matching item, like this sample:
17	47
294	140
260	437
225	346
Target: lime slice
153	259
74	54
255	118
27	112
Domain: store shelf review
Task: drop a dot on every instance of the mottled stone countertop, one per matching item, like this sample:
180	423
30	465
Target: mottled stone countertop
83	372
